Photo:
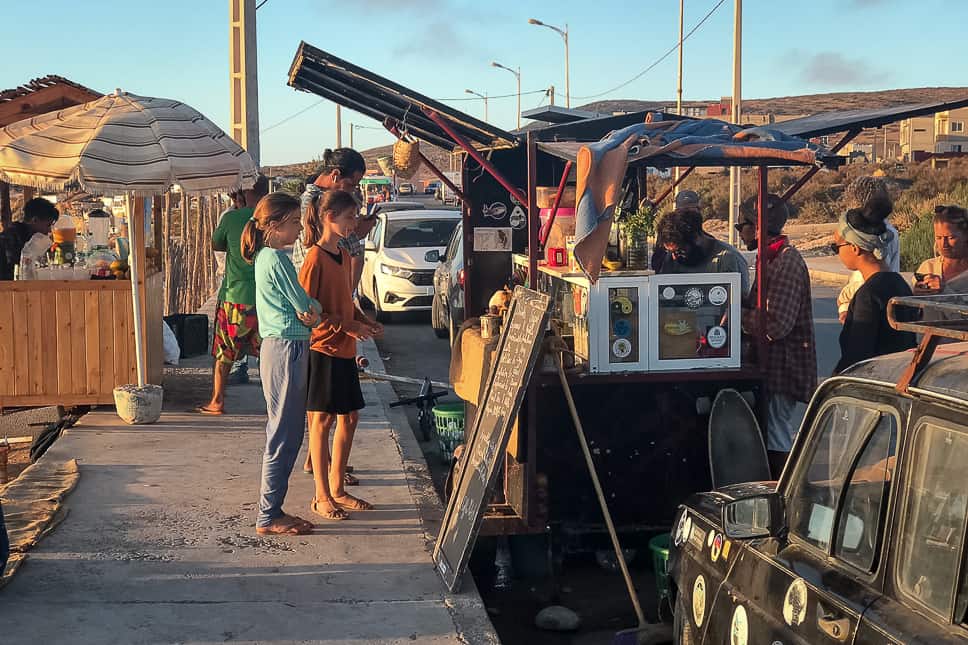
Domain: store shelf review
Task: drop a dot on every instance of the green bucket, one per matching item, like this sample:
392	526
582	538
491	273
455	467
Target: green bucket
659	546
449	422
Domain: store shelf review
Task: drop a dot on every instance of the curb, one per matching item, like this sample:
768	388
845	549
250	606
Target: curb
467	610
828	277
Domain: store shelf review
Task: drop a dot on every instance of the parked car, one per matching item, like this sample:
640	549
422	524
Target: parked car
405	189
431	188
863	539
447	312
396	273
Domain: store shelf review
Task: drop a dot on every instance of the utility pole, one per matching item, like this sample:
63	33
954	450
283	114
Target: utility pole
564	34
734	176
551	94
339	128
244	76
679	85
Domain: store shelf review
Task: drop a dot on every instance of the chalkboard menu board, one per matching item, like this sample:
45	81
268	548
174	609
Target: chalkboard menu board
514	358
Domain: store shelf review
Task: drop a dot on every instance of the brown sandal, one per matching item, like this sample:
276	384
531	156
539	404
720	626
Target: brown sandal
350	480
353	503
336	513
286	525
204	409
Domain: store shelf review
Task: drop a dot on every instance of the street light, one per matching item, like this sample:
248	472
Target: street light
482	96
564	34
517	75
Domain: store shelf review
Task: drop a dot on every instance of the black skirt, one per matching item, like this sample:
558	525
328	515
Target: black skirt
334	385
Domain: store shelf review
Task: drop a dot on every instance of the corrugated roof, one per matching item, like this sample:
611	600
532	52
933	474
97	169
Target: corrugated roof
38	84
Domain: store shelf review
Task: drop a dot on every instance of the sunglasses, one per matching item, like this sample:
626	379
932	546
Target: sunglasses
740	226
835	248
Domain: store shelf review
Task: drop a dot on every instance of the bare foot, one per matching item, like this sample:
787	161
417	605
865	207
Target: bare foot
210	409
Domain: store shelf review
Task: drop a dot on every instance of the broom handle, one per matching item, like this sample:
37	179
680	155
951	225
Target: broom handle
601	496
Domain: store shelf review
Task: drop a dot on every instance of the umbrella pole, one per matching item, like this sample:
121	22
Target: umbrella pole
136	242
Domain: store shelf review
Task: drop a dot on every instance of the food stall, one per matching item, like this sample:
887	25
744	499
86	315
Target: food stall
71	341
645	353
72	334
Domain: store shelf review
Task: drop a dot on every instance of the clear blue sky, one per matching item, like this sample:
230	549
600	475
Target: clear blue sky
179	49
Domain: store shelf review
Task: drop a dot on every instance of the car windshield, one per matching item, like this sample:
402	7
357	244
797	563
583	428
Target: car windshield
407	233
376	188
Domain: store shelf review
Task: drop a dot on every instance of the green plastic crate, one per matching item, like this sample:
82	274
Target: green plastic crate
659	546
449	422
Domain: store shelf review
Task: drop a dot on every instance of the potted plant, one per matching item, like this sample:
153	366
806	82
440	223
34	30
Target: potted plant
637	226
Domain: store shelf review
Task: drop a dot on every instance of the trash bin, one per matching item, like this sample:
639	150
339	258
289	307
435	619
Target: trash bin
449	422
659	546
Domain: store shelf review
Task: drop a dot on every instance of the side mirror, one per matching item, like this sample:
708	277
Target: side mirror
432	256
754	517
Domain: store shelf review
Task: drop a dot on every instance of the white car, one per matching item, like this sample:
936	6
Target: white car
397	276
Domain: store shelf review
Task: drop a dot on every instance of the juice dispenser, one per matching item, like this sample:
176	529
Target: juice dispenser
99	225
65	237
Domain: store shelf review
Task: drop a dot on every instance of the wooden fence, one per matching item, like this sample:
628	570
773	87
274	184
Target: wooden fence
190	268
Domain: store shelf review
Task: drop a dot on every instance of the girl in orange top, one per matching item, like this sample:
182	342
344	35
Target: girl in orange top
334	384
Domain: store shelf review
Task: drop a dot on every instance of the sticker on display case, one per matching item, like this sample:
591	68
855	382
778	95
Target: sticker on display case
693	298
622	305
622	327
717	337
497	210
668	293
492	240
718	296
621	348
517	219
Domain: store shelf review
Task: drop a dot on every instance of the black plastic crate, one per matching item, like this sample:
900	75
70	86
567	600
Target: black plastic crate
191	331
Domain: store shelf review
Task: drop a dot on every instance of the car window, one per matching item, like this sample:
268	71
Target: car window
375	233
934	517
454	243
864	501
412	233
836	437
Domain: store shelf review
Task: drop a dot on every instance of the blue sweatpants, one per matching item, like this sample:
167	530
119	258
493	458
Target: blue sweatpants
284	370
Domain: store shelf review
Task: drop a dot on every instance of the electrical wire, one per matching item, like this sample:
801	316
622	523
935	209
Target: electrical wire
659	60
258	6
291	116
496	96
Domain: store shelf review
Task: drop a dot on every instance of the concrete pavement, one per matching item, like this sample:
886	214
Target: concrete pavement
159	545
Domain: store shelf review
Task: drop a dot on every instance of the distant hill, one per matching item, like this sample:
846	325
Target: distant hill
784	105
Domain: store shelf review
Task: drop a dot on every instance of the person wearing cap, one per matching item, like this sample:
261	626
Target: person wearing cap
861	242
689	249
791	349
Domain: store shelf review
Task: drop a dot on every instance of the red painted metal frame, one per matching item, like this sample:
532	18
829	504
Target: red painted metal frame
394	129
667	191
546	229
532	206
791	191
476	155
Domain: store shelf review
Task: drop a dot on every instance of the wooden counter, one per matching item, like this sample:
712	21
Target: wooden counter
70	342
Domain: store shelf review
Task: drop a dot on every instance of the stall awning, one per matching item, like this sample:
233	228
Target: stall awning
355	88
818	125
710	142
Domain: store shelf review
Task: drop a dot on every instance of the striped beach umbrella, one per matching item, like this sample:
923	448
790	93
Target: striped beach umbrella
124	144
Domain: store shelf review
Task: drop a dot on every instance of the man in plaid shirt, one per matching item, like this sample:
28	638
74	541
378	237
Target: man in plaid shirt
791	359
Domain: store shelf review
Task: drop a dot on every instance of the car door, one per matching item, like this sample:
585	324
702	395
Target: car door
373	243
926	594
813	585
442	273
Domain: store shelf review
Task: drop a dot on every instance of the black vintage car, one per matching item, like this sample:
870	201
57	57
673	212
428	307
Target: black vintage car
863	538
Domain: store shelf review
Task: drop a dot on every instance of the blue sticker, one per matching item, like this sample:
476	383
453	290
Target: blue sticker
622	327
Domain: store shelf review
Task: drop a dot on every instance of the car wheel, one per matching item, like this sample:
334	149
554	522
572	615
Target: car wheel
437	319
381	316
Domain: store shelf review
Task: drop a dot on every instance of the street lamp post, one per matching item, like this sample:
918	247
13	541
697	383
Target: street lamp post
481	96
564	34
517	75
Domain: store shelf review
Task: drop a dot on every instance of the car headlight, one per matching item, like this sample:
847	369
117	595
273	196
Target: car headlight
398	272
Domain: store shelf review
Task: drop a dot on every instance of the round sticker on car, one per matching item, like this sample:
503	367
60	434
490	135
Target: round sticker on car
716	336
683	529
699	600
795	603
739	629
717	547
718	296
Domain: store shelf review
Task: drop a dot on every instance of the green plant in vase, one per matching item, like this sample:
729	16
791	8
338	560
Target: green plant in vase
637	227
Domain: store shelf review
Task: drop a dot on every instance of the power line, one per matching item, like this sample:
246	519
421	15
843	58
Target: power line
489	97
659	60
291	116
258	6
